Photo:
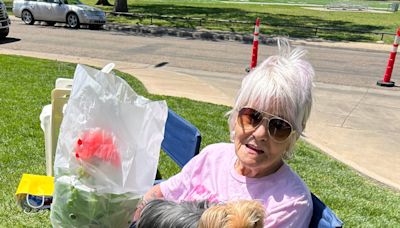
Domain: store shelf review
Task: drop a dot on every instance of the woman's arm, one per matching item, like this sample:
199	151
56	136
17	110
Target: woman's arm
153	193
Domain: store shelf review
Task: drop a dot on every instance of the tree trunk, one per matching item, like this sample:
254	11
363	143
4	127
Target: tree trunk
121	6
103	2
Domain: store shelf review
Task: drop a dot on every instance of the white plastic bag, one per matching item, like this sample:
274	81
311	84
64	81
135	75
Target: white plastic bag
107	151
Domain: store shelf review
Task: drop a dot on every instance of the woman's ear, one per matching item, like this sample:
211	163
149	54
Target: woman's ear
292	140
232	135
297	135
303	125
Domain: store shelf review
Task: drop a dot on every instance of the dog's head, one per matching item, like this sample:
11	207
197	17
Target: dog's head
238	214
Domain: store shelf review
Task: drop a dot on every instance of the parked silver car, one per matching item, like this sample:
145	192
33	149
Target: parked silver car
72	12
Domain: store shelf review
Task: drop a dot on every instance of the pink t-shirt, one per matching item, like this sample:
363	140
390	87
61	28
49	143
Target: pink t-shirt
211	176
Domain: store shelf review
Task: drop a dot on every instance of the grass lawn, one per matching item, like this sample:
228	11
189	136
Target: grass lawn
26	84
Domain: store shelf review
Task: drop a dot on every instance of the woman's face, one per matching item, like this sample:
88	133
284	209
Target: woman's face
257	154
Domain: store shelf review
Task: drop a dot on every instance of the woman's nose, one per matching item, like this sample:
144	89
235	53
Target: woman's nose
261	132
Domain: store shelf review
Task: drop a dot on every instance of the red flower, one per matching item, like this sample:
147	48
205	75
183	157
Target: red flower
97	144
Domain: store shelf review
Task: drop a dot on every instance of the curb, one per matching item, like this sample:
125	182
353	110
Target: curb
245	38
210	35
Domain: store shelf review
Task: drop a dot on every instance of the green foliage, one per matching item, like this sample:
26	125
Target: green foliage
26	84
76	207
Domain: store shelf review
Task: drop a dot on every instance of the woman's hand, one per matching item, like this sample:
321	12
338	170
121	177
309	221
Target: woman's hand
153	193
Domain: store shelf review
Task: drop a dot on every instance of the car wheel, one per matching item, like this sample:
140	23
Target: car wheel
27	17
51	23
73	21
4	33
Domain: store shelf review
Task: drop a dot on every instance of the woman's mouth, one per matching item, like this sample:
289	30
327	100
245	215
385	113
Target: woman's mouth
255	149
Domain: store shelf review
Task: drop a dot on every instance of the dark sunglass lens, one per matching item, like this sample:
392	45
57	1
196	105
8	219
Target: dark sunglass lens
249	118
279	129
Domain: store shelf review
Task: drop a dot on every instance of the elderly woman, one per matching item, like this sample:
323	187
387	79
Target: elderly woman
269	115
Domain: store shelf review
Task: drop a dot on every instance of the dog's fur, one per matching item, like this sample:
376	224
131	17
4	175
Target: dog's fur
238	214
168	214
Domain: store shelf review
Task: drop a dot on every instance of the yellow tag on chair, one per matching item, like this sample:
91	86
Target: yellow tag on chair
36	185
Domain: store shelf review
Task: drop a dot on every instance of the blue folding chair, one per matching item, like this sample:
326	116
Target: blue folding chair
181	139
182	142
323	216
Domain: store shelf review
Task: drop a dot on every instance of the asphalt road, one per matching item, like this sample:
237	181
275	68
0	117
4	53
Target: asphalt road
221	63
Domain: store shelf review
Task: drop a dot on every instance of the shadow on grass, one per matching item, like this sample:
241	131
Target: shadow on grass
279	24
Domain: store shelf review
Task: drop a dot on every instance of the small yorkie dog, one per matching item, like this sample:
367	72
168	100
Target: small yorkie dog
167	214
160	213
236	214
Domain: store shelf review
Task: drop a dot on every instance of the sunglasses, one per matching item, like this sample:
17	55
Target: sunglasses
279	129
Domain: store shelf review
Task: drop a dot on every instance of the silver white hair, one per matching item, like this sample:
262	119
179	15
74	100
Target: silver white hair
281	85
168	214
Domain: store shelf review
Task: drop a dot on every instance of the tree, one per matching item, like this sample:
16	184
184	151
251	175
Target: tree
103	2
121	6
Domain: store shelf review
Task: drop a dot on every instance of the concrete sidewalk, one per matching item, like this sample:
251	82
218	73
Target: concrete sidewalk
358	126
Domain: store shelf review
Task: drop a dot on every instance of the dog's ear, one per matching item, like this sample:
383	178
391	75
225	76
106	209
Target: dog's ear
214	216
259	212
245	214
